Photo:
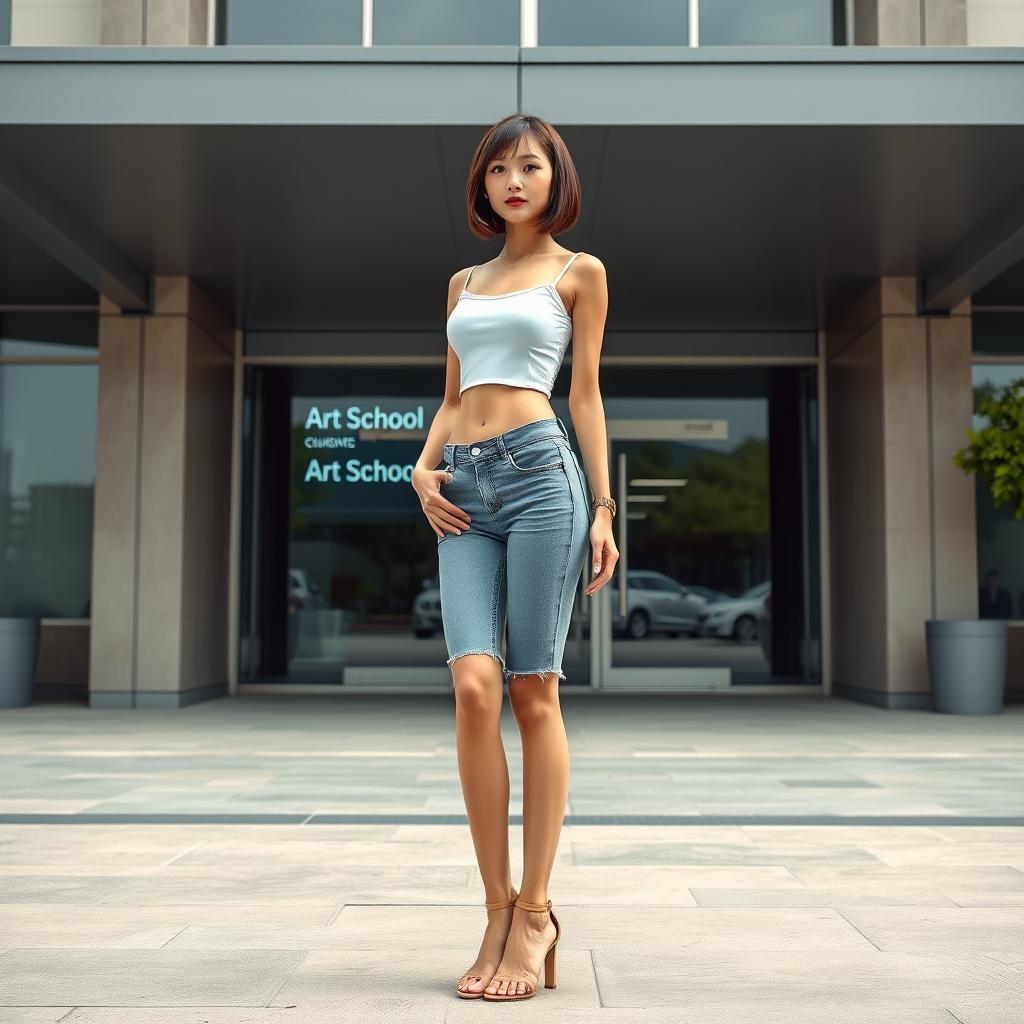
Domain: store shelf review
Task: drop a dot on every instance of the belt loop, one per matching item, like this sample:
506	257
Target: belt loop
501	446
561	427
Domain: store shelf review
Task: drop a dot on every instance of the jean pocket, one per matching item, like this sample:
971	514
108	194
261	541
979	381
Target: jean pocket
534	456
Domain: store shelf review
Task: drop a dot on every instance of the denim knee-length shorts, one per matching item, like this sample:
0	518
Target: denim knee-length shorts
522	555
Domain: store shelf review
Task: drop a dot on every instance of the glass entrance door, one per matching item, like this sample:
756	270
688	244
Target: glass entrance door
710	502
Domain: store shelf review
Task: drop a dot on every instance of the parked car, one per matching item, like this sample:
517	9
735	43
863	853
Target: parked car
764	627
655	603
708	593
736	617
303	592
426	610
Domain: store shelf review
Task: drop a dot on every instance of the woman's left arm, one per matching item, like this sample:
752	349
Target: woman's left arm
589	311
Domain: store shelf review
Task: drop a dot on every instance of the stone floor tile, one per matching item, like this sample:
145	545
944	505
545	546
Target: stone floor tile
161	977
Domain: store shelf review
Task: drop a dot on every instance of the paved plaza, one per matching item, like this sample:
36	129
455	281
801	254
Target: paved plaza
724	860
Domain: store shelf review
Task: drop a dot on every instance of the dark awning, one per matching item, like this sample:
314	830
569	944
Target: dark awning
308	187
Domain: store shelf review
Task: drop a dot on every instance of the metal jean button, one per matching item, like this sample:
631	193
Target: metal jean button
474	451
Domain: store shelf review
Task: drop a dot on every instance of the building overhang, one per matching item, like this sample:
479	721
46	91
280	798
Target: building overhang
310	187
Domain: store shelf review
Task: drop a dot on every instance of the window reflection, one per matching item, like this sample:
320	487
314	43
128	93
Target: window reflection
1000	533
754	22
47	479
612	23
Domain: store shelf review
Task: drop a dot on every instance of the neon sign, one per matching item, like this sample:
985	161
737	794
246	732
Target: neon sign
356	418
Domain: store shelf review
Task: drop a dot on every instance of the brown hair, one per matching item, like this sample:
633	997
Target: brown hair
563	208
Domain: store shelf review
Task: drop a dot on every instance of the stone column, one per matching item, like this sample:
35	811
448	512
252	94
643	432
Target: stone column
902	516
163	486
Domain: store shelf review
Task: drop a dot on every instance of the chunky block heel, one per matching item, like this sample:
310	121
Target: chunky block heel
549	967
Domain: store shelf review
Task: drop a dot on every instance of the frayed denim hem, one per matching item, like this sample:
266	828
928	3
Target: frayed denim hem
535	672
497	657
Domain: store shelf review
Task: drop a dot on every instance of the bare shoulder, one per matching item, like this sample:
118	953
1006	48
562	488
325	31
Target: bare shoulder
455	285
587	267
588	274
458	279
460	275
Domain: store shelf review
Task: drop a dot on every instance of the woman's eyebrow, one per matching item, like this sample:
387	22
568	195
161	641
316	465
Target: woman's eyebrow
524	156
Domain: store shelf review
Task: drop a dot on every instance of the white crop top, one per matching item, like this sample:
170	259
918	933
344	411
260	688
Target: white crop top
516	338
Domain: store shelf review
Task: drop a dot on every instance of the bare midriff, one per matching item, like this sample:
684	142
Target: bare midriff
491	409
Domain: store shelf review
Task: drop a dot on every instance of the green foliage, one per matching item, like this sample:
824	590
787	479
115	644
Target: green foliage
996	452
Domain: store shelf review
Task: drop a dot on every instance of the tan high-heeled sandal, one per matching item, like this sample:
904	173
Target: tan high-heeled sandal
549	958
493	905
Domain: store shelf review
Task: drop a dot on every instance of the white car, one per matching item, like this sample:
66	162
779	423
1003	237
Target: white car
736	617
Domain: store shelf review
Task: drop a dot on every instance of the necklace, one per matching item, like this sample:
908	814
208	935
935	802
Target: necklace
522	258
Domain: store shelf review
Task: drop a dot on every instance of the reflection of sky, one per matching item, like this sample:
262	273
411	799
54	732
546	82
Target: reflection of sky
48	424
758	22
999	374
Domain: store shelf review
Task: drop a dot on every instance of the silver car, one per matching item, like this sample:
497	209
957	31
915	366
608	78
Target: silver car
736	618
655	603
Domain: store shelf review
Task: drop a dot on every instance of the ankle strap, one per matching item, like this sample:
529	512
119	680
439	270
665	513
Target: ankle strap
500	904
527	905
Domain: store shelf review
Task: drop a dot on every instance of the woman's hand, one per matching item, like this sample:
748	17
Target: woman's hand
605	553
440	512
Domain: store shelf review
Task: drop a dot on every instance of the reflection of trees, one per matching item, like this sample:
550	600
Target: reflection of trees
726	497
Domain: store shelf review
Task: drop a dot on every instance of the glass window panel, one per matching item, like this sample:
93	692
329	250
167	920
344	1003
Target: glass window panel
716	521
749	22
612	23
1000	533
445	23
48	334
332	22
47	478
997	334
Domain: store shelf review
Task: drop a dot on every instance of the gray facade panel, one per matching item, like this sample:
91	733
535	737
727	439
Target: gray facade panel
407	85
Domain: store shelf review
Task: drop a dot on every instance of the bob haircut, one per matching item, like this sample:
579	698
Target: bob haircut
499	141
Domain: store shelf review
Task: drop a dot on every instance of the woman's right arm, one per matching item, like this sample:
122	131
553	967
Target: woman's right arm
426	480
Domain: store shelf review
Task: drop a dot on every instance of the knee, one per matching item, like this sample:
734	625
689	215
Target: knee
478	689
533	700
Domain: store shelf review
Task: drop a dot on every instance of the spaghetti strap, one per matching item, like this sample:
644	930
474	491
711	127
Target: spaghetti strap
565	268
468	276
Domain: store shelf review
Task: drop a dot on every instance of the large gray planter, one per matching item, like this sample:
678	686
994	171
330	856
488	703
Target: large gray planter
19	643
967	665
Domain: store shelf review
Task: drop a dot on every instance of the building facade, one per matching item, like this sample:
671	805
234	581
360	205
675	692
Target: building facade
227	236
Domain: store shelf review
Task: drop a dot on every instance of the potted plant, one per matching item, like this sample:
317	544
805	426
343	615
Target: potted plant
19	644
967	657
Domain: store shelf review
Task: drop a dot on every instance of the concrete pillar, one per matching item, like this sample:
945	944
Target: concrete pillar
155	22
910	22
902	515
163	484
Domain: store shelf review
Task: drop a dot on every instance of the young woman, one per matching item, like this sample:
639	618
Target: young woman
512	518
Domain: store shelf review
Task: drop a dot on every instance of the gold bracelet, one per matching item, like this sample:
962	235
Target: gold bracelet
607	502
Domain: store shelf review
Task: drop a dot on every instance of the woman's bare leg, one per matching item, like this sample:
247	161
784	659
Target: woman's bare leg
535	705
483	771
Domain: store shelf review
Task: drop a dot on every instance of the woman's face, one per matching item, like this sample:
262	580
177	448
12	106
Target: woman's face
525	175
